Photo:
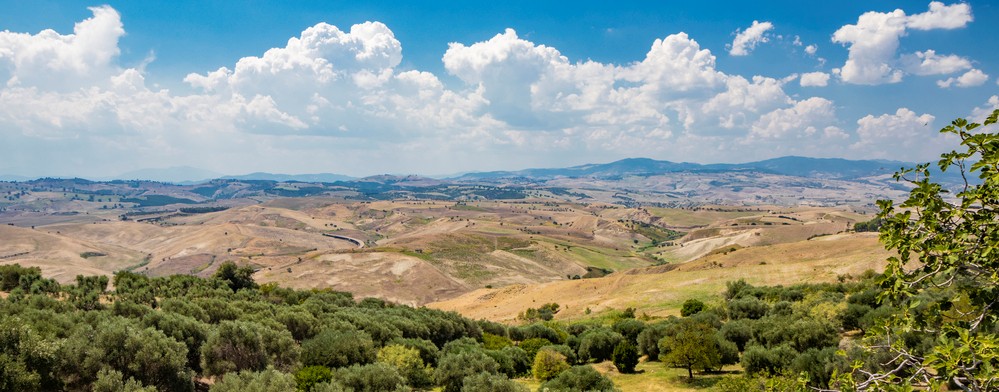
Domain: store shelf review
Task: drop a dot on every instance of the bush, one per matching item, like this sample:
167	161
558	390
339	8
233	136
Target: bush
429	353
761	360
629	328
531	346
375	377
408	363
579	378
728	351
455	367
495	342
739	332
568	352
145	354
520	360
335	349
749	308
249	381
626	357
691	307
598	345
819	365
234	346
309	376
108	381
485	382
648	340
548	364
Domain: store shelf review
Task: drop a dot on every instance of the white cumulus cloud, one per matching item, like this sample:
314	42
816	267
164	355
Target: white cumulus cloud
874	40
745	41
971	78
930	63
814	79
904	130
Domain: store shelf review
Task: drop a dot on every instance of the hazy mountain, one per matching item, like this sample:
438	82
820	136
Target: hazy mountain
320	177
11	177
175	174
833	168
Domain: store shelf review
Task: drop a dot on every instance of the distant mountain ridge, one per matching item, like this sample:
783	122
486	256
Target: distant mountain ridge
830	168
318	177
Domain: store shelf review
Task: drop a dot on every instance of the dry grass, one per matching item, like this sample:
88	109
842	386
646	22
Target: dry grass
661	294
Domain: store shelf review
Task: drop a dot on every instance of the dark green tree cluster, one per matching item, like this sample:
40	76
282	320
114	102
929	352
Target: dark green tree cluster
167	333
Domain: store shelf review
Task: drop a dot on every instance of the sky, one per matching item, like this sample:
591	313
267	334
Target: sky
362	88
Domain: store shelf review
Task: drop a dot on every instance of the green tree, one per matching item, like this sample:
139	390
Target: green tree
235	277
113	381
307	377
255	381
335	349
234	346
625	357
693	346
531	346
945	275
485	382
407	362
598	344
373	377
455	367
579	378
548	364
691	307
145	354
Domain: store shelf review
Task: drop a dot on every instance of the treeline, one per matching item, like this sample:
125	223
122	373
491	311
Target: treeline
785	338
227	333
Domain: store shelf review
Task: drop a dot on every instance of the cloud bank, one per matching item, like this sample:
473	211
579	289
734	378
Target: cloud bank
337	100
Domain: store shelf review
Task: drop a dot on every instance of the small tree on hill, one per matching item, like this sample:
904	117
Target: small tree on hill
625	357
693	346
691	307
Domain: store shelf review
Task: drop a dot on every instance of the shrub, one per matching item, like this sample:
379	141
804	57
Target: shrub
629	328
739	332
579	378
429	353
407	362
485	382
249	381
568	352
691	307
309	376
750	308
375	377
109	381
145	354
531	346
648	340
598	345
548	364
520	360
455	367
761	360
336	349
495	342
625	357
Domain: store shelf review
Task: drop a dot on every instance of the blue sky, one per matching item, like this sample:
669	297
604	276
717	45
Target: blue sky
443	87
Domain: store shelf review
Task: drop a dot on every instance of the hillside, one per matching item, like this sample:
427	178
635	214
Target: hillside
659	291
